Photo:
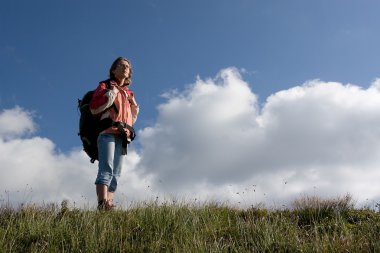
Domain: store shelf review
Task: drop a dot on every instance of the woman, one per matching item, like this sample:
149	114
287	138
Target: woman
116	104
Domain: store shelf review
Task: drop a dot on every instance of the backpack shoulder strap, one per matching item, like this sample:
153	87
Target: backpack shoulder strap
107	82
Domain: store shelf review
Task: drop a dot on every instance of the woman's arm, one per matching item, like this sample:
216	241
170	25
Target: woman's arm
103	98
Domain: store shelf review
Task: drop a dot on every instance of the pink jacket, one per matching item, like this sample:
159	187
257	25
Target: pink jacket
122	97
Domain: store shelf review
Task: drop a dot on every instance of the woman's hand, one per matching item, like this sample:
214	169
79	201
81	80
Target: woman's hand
115	89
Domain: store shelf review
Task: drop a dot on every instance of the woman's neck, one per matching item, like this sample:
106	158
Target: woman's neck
120	82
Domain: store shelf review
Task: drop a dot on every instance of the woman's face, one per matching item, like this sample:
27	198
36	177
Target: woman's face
121	70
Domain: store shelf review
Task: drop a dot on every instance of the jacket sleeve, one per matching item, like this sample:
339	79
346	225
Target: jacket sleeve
134	106
135	112
103	98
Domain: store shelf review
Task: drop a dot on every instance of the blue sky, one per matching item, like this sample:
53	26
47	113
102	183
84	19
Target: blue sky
52	52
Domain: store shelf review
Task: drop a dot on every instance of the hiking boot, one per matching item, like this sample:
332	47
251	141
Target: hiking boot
110	206
102	205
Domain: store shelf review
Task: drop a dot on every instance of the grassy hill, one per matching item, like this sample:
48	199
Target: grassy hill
311	225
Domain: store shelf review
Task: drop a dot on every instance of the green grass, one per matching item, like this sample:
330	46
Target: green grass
312	225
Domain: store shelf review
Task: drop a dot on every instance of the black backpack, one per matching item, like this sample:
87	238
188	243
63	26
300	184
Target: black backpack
90	125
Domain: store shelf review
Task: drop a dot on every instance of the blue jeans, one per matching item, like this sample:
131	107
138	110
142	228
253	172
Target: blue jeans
110	160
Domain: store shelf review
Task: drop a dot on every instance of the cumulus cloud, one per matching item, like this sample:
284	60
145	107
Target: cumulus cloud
214	141
15	122
33	171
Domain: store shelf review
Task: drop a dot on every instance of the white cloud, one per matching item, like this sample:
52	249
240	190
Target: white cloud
15	122
32	170
213	141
